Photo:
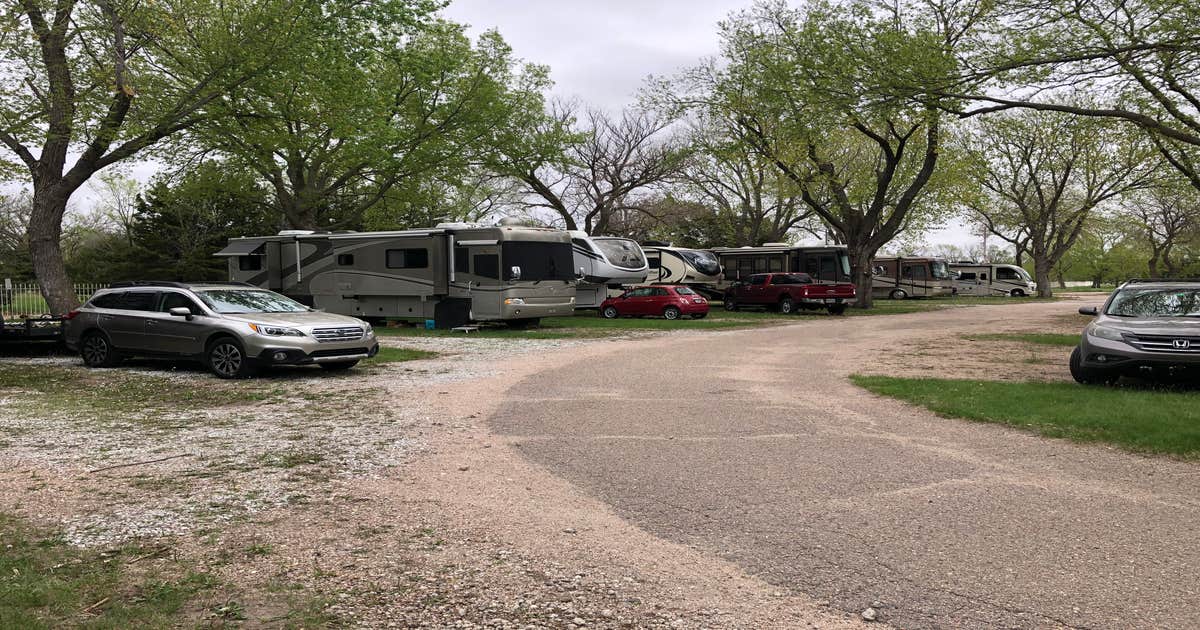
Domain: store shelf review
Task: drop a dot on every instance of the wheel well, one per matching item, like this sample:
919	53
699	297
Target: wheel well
221	335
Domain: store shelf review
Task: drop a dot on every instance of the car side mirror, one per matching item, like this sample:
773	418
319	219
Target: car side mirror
1089	310
515	272
181	311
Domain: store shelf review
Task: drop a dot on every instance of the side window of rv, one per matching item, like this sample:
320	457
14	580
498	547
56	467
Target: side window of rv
407	258
249	263
966	275
462	259
1004	273
776	264
654	263
487	265
345	260
983	276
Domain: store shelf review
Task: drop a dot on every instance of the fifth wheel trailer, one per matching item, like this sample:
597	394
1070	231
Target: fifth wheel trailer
824	263
603	263
453	273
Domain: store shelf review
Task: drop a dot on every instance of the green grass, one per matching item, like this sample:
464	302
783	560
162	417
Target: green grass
1144	421
397	355
45	583
1041	339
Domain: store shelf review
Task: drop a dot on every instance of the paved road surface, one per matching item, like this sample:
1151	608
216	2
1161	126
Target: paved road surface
751	445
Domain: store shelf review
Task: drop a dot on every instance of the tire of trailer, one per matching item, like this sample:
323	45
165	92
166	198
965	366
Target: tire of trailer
898	294
671	312
97	351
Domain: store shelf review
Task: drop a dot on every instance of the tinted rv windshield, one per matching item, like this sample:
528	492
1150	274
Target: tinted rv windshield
621	252
940	269
704	262
538	260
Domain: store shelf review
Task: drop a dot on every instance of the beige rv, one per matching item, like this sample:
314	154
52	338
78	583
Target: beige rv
902	277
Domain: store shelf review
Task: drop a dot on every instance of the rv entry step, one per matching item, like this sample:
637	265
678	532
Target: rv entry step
465	329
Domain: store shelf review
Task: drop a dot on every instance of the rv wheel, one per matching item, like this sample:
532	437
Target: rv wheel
610	312
898	294
1017	293
671	313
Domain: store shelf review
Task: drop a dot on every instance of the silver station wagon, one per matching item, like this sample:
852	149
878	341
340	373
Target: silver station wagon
232	327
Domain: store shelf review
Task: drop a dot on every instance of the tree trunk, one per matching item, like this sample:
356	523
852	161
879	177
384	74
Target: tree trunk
860	275
1153	266
45	249
1041	271
1062	281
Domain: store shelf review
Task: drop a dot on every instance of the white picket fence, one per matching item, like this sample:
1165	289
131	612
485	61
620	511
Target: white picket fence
24	300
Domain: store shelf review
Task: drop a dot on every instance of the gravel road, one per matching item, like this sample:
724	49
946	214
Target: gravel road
752	448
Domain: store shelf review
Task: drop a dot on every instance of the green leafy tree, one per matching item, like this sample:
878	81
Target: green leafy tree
396	97
88	84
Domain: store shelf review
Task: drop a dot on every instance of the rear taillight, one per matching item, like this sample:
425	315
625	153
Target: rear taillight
72	314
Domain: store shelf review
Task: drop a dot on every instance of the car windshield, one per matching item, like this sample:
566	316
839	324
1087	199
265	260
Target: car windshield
621	252
538	260
704	262
940	269
233	301
1155	303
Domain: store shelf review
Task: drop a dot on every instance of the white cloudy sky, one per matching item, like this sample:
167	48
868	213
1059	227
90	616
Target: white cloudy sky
601	51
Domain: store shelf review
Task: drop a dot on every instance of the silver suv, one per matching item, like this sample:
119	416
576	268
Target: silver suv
1146	327
234	328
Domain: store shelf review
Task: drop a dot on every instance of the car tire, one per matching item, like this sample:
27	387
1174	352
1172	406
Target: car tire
226	358
898	294
610	312
730	304
1090	376
338	366
786	305
837	309
97	351
671	312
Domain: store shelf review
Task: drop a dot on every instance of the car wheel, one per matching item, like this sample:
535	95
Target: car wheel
1090	376
730	305
338	366
786	305
837	309
671	312
1017	293
898	294
97	351
227	359
610	312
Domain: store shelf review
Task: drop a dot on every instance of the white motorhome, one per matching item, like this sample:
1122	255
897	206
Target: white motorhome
992	279
603	263
452	274
697	268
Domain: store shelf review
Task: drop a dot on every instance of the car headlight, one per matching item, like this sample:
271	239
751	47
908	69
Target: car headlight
275	331
514	302
1104	332
368	329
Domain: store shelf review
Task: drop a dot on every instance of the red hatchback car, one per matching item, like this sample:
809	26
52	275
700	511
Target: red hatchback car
668	300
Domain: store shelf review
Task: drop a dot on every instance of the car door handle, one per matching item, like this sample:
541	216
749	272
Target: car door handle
151	322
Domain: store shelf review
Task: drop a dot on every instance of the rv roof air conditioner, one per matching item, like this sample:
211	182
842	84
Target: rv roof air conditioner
458	226
776	244
296	232
508	222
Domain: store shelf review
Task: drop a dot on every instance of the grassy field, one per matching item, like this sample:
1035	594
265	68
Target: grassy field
1145	421
587	324
1041	339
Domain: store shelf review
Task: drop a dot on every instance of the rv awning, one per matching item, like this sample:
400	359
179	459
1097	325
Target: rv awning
242	247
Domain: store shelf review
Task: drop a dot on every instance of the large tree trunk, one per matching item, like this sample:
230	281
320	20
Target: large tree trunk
860	275
45	249
1041	271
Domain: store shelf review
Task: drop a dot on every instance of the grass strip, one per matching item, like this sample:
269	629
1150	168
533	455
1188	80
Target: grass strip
1143	421
1041	339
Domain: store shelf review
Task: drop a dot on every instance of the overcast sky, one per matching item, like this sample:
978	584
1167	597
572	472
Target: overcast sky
601	51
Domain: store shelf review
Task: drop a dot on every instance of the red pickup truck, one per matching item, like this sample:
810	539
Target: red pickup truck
788	292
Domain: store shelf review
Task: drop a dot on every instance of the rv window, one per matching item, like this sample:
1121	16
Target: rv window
914	272
249	263
811	265
966	275
345	260
407	258
538	260
776	264
487	266
829	267
654	263
1004	273
983	276
462	259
